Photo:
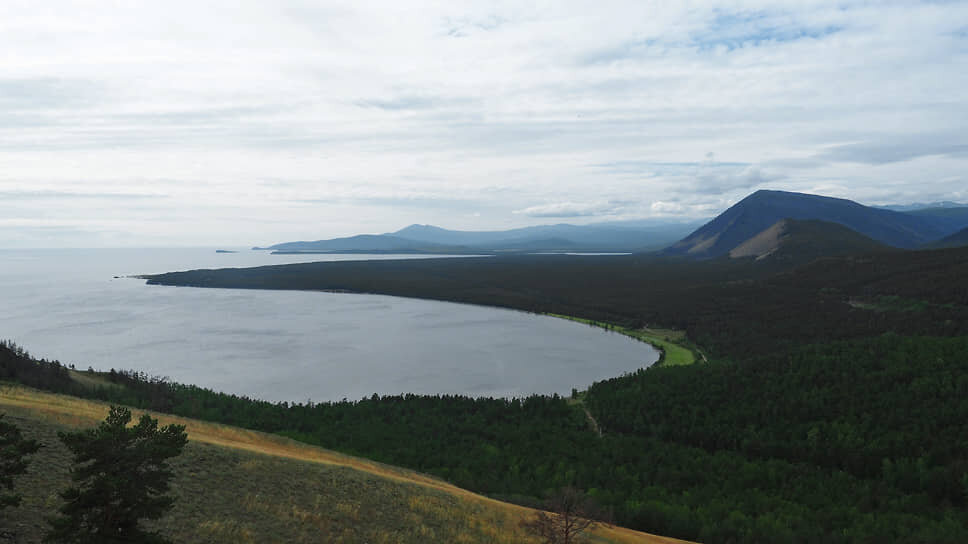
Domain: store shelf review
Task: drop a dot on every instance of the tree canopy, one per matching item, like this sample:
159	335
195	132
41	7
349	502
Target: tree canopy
120	477
13	451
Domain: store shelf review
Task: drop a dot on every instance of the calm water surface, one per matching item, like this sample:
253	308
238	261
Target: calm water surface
288	345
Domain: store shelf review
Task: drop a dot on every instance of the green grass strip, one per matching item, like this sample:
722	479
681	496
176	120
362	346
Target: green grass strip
673	353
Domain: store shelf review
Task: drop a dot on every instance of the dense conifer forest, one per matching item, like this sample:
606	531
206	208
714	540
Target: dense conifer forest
832	408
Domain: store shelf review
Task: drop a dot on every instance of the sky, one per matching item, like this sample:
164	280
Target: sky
250	123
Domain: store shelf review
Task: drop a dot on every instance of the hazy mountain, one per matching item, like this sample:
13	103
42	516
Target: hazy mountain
629	236
763	209
437	235
958	239
805	240
620	236
361	242
948	219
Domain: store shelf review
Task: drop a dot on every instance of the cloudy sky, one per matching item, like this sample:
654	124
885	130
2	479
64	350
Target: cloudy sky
240	123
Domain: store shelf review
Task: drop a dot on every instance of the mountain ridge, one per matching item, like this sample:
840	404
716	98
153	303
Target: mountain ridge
423	238
957	239
764	208
376	242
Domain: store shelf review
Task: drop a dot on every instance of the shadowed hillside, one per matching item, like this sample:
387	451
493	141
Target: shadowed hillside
958	239
763	209
795	240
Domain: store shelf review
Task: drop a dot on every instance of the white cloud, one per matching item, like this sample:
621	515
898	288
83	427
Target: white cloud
572	209
255	120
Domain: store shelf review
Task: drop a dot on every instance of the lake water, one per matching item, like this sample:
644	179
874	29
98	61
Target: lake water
289	345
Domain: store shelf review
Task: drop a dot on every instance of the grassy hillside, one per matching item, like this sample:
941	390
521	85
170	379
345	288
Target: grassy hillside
240	486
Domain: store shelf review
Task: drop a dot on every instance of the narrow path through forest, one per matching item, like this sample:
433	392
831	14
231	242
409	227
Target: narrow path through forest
591	421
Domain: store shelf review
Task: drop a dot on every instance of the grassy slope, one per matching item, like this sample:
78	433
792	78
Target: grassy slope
668	341
240	486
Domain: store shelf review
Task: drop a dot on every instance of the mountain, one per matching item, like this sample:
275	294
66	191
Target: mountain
948	219
437	235
805	240
360	242
764	208
619	236
631	236
958	239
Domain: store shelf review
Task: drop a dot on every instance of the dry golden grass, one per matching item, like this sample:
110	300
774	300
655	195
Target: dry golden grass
430	510
91	379
670	341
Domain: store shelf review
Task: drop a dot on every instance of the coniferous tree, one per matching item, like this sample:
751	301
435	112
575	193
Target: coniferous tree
120	477
13	450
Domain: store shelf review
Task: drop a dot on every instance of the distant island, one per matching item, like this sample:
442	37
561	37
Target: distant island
225	251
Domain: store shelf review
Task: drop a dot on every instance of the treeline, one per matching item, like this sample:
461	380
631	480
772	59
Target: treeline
888	411
779	450
17	365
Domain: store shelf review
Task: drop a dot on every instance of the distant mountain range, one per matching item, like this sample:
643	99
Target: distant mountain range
758	225
360	242
627	236
775	224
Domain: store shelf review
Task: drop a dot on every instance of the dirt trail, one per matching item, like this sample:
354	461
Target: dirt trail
591	421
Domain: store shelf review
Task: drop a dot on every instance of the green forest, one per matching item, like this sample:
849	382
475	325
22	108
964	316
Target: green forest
833	407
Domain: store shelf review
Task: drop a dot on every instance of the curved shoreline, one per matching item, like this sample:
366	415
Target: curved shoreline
671	353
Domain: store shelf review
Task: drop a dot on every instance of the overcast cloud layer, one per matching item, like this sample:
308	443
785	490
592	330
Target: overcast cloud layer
238	123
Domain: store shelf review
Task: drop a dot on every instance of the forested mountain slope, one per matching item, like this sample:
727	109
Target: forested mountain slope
958	239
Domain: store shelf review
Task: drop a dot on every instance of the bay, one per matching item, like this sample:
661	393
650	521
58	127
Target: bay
79	306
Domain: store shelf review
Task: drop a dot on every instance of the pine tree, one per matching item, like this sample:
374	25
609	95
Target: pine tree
120	476
13	450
